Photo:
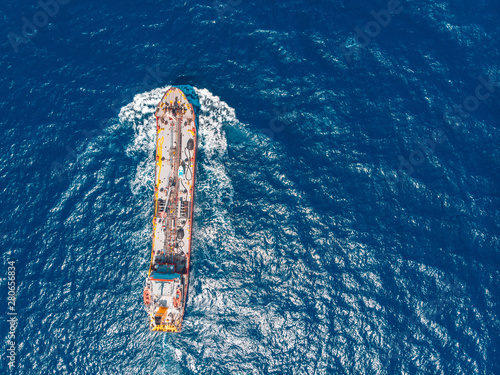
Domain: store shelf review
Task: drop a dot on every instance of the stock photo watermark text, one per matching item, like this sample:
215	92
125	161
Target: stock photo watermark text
39	19
372	29
11	314
226	7
454	117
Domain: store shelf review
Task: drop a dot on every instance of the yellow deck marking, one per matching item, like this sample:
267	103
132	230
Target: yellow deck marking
159	152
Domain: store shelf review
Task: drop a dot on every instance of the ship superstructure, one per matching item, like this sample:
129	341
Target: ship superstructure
176	142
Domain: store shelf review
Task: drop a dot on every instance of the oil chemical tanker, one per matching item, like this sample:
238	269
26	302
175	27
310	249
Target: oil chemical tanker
166	288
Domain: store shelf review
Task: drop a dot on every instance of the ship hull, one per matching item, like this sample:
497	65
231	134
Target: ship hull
165	293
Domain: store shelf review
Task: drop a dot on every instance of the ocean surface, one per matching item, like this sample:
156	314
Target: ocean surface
347	216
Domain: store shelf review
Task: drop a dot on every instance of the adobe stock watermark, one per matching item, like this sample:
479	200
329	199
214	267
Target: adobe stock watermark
454	117
11	314
372	29
278	118
152	79
226	7
29	29
432	311
276	125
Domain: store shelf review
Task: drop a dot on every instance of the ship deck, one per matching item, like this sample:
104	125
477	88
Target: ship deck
172	223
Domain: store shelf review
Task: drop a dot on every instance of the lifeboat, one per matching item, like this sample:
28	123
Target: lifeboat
177	298
146	296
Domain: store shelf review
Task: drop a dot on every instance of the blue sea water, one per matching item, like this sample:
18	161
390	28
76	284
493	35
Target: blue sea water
347	202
